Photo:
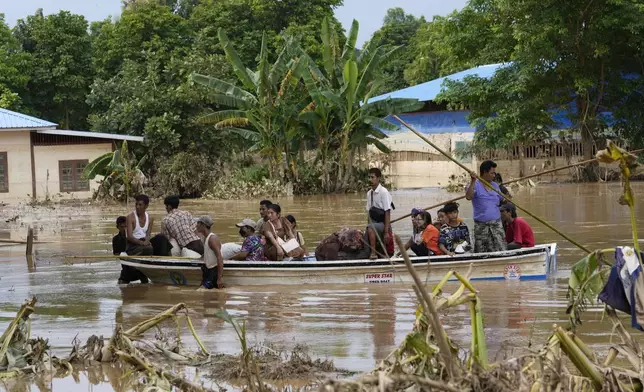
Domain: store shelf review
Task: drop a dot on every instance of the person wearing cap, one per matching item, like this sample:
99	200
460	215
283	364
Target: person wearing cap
212	269
518	233
252	248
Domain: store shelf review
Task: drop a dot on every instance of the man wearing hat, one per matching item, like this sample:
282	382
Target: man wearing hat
213	262
252	249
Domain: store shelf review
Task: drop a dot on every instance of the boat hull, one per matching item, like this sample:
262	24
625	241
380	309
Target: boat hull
523	264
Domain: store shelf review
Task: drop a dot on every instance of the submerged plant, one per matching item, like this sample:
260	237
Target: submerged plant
627	161
588	278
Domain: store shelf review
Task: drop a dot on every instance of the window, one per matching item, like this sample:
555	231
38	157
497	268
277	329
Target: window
71	175
4	173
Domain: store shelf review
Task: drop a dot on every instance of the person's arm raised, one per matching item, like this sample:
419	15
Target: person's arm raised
469	194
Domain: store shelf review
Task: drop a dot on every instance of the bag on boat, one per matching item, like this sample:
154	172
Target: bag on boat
291	247
229	249
185	252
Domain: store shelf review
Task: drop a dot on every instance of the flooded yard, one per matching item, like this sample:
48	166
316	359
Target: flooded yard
355	326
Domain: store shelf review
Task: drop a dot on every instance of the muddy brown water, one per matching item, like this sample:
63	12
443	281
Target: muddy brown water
356	326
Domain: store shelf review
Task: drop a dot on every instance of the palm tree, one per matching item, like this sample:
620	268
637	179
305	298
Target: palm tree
121	172
262	111
340	110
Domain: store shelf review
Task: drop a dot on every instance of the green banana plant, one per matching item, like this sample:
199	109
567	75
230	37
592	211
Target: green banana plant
340	109
261	110
121	173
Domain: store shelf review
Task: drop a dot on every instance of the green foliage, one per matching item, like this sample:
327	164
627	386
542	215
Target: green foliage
14	68
121	172
587	279
340	112
187	173
398	30
566	55
60	66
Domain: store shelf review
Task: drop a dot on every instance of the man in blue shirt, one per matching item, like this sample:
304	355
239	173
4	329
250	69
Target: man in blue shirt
488	229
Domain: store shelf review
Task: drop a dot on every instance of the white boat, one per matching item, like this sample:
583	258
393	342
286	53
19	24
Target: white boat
535	263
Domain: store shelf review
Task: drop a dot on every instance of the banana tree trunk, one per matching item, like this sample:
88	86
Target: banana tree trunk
348	172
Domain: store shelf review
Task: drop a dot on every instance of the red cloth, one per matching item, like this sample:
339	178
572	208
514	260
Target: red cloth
519	231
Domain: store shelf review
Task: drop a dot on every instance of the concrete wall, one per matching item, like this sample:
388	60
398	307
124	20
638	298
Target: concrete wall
17	146
415	164
47	173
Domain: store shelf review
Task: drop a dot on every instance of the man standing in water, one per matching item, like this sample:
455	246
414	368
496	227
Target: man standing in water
488	229
379	206
212	270
263	208
179	225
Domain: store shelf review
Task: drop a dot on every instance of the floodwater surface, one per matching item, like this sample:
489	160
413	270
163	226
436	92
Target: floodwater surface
355	325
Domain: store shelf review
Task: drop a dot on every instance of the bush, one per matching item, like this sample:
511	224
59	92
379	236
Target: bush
245	183
187	173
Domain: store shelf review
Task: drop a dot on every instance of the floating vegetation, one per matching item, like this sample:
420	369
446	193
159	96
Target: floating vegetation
428	360
154	359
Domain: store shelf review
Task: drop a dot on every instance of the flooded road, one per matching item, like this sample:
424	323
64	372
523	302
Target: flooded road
356	326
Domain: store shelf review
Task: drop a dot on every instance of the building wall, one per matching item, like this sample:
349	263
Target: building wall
17	146
47	173
415	164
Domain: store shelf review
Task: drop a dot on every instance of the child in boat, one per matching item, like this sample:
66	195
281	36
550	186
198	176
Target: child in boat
298	234
212	269
119	241
454	233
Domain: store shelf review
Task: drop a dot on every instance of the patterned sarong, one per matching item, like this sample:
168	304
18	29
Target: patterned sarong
489	237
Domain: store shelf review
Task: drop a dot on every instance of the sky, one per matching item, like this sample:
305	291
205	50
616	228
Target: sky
369	13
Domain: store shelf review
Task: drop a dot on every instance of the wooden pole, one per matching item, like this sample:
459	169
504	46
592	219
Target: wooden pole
487	184
30	241
516	180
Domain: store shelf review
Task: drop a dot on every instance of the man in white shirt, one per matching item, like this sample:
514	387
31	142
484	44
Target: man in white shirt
379	206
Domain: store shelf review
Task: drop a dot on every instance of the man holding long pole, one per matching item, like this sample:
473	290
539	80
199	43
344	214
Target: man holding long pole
488	229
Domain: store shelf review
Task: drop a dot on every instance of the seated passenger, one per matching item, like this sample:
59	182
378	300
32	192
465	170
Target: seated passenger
426	241
298	235
119	241
441	219
278	231
252	248
454	233
178	225
518	233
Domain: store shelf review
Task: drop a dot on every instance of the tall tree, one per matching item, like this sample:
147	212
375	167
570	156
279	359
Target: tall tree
246	20
575	54
61	66
398	30
478	34
14	69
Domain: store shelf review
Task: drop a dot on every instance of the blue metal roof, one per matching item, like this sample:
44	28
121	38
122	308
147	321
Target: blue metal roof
434	122
13	120
429	90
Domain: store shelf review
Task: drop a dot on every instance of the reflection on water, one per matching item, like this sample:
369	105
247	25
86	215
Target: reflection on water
356	326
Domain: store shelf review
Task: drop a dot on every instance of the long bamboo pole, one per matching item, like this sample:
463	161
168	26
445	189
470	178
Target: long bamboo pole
543	173
487	184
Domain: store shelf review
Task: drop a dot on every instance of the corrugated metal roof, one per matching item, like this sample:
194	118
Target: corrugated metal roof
98	135
429	90
13	120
